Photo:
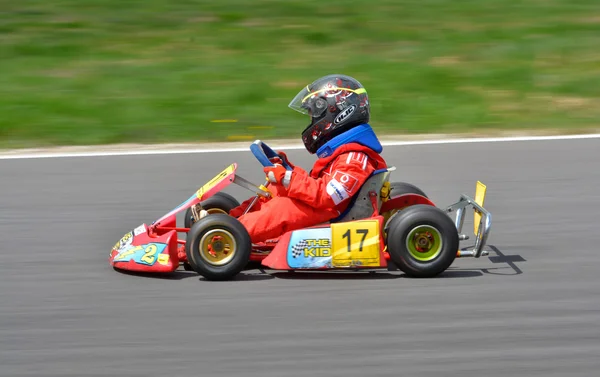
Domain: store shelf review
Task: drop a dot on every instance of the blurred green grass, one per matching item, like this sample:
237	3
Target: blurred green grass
108	71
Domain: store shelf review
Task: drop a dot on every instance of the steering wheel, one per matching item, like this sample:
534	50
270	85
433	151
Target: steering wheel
263	153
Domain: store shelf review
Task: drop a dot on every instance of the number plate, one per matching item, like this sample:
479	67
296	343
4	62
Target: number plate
356	244
480	191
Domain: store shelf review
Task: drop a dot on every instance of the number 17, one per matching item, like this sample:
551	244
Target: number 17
364	232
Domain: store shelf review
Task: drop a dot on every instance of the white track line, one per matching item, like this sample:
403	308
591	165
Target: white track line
140	152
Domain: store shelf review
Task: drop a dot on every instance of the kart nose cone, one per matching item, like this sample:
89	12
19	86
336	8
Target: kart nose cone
137	251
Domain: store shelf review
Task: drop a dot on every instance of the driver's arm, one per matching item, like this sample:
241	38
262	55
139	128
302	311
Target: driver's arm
346	176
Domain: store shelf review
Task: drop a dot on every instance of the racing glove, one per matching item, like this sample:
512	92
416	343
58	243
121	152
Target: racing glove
279	160
278	175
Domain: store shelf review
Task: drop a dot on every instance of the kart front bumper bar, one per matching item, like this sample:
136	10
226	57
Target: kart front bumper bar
482	229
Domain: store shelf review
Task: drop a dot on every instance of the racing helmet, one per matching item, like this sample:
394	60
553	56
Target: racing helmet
335	103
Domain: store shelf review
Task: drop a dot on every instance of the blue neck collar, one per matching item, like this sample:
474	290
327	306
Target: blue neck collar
363	135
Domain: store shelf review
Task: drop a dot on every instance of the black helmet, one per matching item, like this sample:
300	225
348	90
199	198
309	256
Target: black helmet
335	103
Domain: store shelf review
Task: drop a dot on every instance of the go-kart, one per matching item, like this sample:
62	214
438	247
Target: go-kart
385	225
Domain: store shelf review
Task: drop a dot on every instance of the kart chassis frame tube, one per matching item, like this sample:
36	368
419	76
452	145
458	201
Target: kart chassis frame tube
485	224
258	190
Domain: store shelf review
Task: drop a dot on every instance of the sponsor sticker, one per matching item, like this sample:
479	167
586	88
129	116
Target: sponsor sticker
344	114
163	259
337	191
310	248
124	242
348	181
139	230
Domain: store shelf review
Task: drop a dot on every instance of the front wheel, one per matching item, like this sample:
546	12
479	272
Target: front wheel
422	241
220	202
218	247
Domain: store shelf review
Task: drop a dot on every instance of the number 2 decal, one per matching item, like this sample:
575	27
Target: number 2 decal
149	254
364	233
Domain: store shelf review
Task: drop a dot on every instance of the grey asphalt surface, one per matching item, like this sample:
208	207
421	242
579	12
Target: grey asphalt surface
531	308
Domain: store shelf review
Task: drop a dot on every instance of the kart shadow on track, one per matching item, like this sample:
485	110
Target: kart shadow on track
245	277
176	275
182	274
393	273
500	257
350	275
374	275
256	272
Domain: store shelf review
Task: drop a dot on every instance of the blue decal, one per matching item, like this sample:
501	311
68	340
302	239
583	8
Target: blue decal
310	248
186	202
143	254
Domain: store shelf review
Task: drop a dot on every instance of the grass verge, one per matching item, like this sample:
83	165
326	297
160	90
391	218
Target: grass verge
106	71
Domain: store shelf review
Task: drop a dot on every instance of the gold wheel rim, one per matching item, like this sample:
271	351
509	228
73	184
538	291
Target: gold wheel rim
215	210
211	211
217	247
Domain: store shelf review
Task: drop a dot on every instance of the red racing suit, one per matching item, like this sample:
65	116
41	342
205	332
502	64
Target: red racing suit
311	198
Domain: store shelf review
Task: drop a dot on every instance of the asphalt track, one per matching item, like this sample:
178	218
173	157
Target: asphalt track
531	308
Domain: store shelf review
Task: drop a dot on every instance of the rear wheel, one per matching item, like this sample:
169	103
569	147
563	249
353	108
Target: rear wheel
218	247
397	189
218	203
401	188
422	241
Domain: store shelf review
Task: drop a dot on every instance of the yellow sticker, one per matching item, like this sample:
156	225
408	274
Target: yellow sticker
163	259
127	253
480	191
213	182
126	240
355	243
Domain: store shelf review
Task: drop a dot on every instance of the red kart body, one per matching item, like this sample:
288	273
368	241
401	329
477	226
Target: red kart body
357	240
157	248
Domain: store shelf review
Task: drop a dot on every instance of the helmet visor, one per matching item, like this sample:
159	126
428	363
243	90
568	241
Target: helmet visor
307	102
313	103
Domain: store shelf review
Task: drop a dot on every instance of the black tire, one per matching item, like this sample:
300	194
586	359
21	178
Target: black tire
219	202
401	188
226	226
397	189
400	228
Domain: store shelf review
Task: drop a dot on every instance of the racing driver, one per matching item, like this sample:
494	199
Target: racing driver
348	152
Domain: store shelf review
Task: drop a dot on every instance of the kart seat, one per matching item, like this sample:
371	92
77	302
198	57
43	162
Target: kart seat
360	206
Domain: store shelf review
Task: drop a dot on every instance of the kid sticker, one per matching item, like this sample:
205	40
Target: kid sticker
310	248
